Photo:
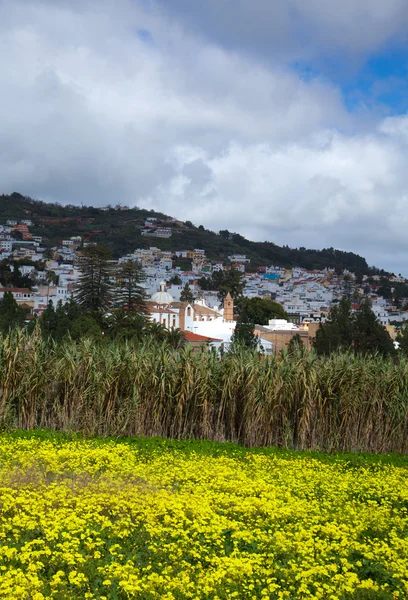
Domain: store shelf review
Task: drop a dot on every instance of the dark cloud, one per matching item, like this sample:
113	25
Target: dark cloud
295	29
126	103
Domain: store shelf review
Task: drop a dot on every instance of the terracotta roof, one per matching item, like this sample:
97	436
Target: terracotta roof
195	337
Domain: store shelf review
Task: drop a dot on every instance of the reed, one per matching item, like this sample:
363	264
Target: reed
340	403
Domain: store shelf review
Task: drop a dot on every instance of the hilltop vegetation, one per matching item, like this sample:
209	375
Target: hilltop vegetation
121	228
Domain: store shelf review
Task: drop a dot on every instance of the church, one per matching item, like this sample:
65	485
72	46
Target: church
200	323
184	315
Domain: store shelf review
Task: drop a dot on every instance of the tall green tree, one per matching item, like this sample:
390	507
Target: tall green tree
244	335
94	289
337	332
68	320
260	310
224	282
186	294
361	332
11	314
125	325
130	294
369	335
175	280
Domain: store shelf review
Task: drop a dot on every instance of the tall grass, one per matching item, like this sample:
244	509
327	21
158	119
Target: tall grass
341	403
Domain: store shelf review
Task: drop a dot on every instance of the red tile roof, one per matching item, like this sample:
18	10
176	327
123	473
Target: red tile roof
195	337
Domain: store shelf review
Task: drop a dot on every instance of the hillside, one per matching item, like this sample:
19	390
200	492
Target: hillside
121	229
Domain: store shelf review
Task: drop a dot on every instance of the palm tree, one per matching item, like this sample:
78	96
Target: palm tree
157	330
124	324
176	338
51	277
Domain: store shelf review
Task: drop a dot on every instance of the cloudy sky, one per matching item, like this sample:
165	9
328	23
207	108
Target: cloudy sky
284	120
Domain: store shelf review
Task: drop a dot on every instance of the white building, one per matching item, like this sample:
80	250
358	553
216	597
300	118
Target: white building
6	245
166	312
239	258
21	295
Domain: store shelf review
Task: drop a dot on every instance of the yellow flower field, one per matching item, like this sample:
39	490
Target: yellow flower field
147	520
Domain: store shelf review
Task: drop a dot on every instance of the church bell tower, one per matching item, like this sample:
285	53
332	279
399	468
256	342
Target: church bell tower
228	308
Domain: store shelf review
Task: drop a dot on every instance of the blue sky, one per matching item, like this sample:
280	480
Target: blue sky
380	83
283	120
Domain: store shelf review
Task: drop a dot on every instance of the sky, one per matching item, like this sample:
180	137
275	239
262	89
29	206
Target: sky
283	120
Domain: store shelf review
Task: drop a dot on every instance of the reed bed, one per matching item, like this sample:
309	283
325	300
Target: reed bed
340	403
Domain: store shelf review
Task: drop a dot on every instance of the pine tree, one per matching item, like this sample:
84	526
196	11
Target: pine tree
11	314
186	294
337	333
129	294
369	335
362	332
94	289
244	335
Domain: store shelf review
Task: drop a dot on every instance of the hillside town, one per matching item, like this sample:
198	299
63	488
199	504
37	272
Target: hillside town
307	296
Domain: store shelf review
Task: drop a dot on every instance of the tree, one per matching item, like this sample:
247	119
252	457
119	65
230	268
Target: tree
94	290
295	344
124	324
369	335
337	332
51	278
11	314
348	286
402	339
157	330
130	295
385	289
224	282
244	335
186	294
362	332
48	254
68	320
176	338
260	310
176	280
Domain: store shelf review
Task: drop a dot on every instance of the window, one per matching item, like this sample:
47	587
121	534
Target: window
189	311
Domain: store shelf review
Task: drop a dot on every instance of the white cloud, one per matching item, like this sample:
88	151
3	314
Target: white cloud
328	190
97	110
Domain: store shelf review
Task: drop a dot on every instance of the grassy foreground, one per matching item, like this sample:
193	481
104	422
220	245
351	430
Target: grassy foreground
150	519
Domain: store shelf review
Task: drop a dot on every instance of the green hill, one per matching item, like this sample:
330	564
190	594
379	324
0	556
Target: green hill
121	228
